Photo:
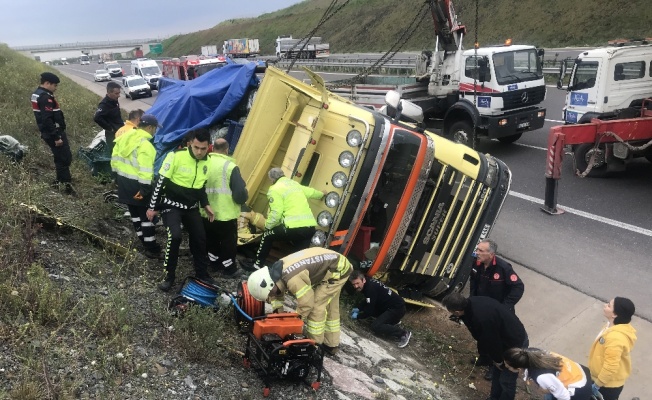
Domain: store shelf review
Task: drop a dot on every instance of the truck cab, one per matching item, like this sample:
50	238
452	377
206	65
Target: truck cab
425	201
607	83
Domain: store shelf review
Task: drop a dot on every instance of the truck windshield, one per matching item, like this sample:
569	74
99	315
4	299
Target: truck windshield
151	70
517	66
584	75
392	182
136	82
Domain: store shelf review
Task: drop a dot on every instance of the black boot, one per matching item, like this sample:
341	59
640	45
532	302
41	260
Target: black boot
167	284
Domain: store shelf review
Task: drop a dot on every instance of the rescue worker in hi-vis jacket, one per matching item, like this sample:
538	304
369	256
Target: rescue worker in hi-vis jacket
290	218
315	276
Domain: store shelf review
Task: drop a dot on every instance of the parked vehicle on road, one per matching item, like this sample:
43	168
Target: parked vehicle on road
612	84
148	70
423	200
187	68
236	48
134	87
492	92
287	47
101	75
607	82
114	69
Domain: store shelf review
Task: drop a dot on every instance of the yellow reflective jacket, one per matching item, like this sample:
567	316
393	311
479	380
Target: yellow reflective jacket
133	161
288	204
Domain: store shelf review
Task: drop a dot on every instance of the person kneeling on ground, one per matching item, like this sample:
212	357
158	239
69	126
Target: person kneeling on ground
559	377
382	303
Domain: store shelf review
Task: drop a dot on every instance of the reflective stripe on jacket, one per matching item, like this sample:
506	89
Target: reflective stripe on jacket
218	187
288	204
133	156
303	270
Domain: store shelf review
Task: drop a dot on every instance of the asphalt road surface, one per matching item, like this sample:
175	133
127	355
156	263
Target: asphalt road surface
601	246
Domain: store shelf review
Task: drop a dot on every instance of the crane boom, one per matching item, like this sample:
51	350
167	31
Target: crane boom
447	29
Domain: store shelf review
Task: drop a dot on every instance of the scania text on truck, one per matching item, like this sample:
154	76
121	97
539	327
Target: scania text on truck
492	92
237	48
425	200
148	70
287	47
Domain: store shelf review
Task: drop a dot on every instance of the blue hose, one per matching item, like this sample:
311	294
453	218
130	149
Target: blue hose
201	294
237	307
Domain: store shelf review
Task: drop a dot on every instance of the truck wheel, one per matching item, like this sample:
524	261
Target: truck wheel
461	132
583	153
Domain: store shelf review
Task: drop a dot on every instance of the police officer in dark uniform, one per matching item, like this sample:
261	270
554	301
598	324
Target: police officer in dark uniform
108	114
178	194
52	126
382	303
495	329
494	277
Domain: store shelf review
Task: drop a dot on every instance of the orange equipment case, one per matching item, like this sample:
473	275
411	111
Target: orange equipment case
282	324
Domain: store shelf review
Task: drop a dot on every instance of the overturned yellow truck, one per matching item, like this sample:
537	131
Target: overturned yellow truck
420	201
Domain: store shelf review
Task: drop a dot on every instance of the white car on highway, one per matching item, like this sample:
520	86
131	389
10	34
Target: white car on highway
102	75
134	86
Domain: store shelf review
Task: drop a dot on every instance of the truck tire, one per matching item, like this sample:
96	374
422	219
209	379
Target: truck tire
582	154
461	132
510	139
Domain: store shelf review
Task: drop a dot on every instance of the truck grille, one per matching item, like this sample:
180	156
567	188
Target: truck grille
523	98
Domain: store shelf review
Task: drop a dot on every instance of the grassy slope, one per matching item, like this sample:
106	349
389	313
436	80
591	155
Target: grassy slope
375	25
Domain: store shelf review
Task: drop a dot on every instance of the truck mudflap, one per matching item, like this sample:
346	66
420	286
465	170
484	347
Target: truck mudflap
513	122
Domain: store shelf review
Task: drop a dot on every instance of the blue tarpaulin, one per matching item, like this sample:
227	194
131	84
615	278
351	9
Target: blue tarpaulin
182	106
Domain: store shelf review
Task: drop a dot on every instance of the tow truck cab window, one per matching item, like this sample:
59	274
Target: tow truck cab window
584	75
477	68
630	70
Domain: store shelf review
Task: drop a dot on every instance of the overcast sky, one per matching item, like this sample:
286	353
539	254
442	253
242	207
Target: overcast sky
31	22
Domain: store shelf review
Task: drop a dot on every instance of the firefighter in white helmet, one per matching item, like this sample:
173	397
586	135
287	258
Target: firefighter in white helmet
315	276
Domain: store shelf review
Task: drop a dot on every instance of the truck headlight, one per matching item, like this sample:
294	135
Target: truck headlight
318	239
339	179
346	159
354	138
325	219
332	199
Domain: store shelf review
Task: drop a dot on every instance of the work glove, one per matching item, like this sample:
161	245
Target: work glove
454	318
354	313
596	392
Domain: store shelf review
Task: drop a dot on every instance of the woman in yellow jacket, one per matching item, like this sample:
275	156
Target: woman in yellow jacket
610	361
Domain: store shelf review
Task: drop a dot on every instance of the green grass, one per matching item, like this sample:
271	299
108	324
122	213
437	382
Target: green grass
376	25
53	325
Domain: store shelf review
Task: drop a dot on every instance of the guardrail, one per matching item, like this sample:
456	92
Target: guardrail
400	66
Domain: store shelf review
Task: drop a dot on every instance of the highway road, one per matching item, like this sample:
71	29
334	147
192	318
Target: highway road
601	246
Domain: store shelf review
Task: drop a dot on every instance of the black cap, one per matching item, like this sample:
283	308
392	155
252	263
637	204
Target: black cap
624	309
49	77
149	119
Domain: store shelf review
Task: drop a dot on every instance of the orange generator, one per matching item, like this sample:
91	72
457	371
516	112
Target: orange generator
276	346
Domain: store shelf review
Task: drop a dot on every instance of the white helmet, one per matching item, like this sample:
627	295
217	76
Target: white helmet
260	283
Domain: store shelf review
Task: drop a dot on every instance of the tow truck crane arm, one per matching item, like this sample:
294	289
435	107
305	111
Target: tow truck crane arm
447	28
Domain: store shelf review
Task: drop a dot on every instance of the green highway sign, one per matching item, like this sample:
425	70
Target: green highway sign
156	48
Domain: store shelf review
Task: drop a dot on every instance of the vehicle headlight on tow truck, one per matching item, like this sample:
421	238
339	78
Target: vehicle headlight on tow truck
318	239
332	199
324	219
339	179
